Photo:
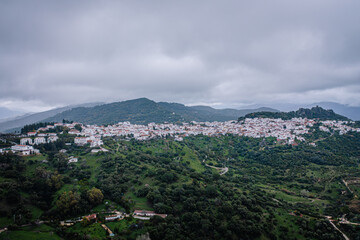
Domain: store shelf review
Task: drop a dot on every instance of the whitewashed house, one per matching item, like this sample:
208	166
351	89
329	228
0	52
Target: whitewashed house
72	159
80	140
25	141
39	140
52	139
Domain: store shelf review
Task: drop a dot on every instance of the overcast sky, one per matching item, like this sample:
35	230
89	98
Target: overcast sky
218	53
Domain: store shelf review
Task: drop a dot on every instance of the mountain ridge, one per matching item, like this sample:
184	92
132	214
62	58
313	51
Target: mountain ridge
346	110
144	111
6	113
18	122
313	113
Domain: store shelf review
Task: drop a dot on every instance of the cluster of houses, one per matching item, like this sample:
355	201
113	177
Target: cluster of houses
139	214
32	138
286	131
40	139
94	141
21	150
341	126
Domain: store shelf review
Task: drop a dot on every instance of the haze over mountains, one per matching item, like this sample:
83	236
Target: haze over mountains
143	111
345	110
18	122
6	113
140	111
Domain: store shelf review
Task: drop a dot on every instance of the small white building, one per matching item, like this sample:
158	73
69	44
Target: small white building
52	139
18	148
72	159
39	140
24	149
113	217
80	140
96	143
25	141
99	150
74	131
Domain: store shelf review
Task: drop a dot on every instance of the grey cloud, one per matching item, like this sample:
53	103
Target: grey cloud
227	53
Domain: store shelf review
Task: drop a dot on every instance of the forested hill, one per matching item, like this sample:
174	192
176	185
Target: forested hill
313	113
143	111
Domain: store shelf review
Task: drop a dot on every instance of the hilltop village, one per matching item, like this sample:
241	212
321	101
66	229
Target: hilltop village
285	131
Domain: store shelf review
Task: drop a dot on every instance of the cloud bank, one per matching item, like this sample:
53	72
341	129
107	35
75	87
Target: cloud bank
223	53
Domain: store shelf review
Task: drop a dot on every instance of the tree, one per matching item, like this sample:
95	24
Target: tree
56	181
60	161
78	127
68	202
95	196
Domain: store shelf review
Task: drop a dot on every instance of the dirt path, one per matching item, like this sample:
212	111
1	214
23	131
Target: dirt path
343	220
347	186
118	148
336	228
222	170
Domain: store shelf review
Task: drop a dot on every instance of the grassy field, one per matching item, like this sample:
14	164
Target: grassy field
288	221
42	232
36	212
191	157
126	227
92	161
140	203
4	221
95	230
121	225
109	206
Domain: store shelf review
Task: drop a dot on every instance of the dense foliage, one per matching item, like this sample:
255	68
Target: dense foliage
271	191
313	113
35	126
143	111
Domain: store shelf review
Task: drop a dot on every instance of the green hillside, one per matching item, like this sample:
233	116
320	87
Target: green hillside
313	113
143	111
270	191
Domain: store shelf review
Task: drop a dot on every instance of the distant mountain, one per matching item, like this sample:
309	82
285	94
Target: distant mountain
144	111
313	113
205	113
345	110
17	123
342	109
8	113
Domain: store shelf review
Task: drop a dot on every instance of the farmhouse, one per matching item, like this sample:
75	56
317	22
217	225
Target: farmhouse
113	217
147	214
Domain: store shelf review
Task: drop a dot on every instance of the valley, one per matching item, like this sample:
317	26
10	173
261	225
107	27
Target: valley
270	190
256	178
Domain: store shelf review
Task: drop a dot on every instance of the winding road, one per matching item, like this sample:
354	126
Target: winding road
336	228
222	170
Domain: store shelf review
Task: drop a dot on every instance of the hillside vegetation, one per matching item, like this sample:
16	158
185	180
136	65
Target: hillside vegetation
271	191
313	113
144	111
